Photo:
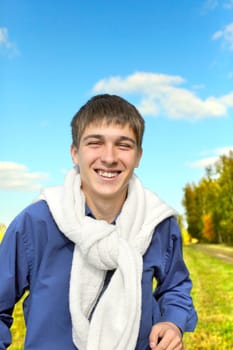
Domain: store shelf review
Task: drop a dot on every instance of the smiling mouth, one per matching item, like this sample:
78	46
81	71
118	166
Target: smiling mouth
108	174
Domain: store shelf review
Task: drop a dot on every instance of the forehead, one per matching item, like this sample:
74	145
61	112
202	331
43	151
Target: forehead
109	129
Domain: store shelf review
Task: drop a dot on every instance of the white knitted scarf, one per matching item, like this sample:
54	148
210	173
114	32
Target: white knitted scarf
99	247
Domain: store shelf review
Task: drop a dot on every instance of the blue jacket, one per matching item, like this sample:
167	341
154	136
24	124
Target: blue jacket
36	256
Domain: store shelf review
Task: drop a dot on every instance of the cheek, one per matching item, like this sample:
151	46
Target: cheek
131	162
87	158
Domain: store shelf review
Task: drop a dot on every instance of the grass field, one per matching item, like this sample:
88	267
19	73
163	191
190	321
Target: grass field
213	297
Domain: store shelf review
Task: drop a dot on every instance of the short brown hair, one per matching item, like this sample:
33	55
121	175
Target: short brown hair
110	109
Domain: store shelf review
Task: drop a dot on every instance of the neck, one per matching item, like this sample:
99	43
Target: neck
105	209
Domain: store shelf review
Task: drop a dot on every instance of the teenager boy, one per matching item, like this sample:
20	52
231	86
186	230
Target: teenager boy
88	251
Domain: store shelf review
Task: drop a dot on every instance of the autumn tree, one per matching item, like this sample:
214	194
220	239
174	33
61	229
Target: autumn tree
208	231
209	204
225	181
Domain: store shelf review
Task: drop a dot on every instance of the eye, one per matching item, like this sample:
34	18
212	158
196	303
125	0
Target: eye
94	143
125	145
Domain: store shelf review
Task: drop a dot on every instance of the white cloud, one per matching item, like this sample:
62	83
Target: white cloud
226	34
6	45
223	151
213	159
138	82
17	177
204	163
227	100
162	94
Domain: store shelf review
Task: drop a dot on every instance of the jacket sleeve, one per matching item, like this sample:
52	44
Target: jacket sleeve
14	277
174	283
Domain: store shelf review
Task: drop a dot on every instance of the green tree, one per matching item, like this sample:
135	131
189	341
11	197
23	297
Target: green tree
193	210
209	204
224	169
209	188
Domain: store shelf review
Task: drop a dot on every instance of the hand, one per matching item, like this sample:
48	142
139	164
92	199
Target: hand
165	336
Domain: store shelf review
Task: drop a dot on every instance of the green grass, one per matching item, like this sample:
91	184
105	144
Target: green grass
213	298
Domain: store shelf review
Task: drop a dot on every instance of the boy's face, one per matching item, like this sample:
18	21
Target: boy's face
107	156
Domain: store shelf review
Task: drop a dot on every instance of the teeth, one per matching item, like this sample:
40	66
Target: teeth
107	174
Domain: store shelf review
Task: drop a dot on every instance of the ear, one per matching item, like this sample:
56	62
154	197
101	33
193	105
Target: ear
139	156
74	154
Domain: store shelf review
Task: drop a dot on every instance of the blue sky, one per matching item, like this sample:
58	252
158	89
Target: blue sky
172	59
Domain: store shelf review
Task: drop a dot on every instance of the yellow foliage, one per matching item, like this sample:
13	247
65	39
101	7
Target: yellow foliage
2	231
187	239
208	231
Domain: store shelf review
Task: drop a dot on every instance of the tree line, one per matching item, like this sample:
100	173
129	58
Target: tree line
209	203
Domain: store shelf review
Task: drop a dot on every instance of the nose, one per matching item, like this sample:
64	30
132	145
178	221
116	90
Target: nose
109	155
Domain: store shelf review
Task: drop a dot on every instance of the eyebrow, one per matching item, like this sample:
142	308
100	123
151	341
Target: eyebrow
100	137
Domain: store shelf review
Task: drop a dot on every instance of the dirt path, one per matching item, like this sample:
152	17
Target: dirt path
219	251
